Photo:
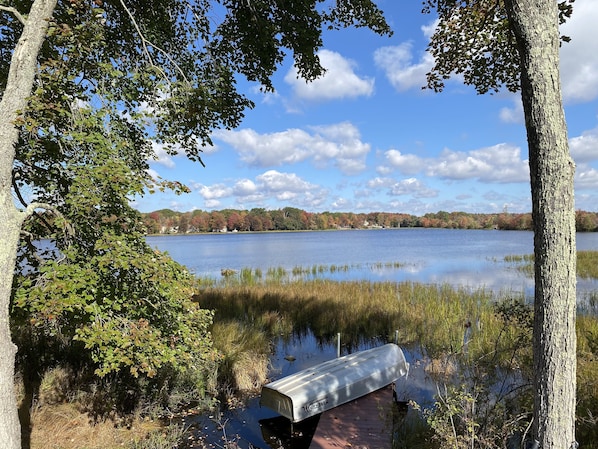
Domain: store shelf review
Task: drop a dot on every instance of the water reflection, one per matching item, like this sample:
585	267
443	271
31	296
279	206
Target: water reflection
253	426
279	433
461	258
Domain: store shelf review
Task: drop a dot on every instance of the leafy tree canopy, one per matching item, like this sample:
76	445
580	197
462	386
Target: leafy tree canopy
115	78
475	39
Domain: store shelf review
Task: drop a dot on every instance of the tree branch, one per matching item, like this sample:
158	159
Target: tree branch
145	43
143	39
24	203
17	190
32	207
13	11
31	210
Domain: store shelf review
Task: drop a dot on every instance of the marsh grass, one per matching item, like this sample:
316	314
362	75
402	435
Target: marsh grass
249	276
245	354
494	361
522	263
588	304
587	264
431	317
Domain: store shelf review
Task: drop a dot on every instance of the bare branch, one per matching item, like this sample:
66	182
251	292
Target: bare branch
14	11
527	430
32	207
31	210
29	238
17	192
16	189
143	39
145	43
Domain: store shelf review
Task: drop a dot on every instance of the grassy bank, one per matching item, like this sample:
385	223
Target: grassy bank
494	367
253	308
61	418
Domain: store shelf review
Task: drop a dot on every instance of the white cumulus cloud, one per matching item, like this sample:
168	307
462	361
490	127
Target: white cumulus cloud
413	187
499	164
408	164
339	81
515	113
586	179
400	68
579	58
245	187
584	148
291	188
338	145
272	184
215	191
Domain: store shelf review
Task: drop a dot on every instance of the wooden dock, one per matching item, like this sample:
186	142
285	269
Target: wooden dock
364	423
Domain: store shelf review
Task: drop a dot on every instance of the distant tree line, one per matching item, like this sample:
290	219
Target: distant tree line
167	221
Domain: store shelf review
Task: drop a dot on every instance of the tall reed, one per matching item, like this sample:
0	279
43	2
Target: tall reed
245	355
587	264
486	336
432	317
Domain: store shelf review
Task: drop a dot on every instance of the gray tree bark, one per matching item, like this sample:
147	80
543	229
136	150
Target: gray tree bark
14	99
552	170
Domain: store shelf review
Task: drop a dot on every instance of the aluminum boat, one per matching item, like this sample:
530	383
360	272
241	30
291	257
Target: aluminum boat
334	382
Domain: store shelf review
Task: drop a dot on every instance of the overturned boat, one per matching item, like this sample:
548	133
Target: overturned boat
335	382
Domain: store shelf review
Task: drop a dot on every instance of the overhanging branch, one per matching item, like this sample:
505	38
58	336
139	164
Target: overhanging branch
14	12
17	192
147	43
31	210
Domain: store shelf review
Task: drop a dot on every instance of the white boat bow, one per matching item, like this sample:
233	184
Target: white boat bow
334	382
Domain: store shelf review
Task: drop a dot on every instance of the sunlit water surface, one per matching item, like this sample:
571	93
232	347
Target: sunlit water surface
465	258
462	258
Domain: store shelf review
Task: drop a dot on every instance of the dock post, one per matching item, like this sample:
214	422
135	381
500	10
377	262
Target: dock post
338	345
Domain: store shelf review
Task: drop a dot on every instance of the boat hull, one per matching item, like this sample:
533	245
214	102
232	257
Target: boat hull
334	382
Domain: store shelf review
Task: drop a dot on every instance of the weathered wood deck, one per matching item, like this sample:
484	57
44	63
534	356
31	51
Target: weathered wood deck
365	423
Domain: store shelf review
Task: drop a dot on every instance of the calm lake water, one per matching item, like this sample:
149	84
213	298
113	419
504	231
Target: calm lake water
466	258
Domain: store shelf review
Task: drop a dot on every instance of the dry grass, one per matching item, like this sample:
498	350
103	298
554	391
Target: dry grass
63	426
57	420
441	369
245	351
250	371
432	316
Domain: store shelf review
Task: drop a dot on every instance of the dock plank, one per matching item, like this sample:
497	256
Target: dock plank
365	423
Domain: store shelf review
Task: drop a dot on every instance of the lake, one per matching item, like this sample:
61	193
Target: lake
466	258
463	258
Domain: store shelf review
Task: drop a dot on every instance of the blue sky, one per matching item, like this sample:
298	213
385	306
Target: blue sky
366	137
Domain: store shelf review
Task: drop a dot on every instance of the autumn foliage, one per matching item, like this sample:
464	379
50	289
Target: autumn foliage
166	221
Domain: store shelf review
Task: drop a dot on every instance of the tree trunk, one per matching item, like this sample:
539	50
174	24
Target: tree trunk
14	99
552	170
